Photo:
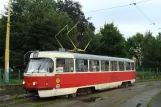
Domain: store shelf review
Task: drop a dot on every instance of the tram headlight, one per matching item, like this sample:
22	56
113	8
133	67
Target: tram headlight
34	83
23	82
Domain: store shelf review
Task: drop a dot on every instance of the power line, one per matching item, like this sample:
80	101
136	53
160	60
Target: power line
145	15
118	6
107	8
151	22
134	3
142	1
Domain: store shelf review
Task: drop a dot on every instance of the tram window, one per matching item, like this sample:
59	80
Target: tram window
64	65
40	65
107	66
104	65
121	66
113	66
128	66
81	65
133	66
94	65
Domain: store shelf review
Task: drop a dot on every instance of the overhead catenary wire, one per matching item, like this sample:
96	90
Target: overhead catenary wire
92	11
133	3
151	22
107	8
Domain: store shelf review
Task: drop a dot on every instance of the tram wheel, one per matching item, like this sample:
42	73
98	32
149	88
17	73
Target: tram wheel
72	95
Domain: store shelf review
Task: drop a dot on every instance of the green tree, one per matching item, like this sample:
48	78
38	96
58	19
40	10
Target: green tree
109	41
150	51
85	29
95	44
2	40
134	47
34	24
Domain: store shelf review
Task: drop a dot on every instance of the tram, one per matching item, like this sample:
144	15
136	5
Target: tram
55	73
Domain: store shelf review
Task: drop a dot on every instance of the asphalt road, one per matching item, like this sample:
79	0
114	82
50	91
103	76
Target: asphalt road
134	96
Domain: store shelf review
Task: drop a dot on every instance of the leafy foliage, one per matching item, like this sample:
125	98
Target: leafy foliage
146	48
109	41
150	51
134	47
73	9
34	24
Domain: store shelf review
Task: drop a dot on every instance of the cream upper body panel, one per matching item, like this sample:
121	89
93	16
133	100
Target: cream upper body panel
57	54
53	55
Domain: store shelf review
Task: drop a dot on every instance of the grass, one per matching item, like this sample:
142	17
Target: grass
12	81
14	78
147	73
148	76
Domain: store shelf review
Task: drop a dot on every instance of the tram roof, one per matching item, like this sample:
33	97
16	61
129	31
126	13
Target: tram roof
90	56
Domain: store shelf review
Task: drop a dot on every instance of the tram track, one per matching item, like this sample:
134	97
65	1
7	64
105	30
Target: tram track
36	101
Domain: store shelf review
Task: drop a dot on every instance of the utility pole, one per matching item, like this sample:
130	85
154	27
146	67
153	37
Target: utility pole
7	45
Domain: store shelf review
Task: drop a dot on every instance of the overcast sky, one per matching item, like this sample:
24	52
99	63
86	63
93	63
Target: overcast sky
128	19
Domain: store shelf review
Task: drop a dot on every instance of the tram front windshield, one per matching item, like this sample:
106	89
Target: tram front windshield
40	65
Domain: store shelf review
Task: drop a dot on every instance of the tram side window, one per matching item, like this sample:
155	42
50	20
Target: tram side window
133	66
128	66
104	65
64	65
113	66
121	66
94	65
81	65
107	66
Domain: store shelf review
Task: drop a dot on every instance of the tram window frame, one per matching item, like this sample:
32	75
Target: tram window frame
113	66
121	68
103	66
66	66
94	68
84	67
128	66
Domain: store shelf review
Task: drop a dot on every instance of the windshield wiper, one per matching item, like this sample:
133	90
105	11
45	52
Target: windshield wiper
33	71
37	69
42	65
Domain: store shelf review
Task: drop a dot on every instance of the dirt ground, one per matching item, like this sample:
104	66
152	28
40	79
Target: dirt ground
11	90
133	96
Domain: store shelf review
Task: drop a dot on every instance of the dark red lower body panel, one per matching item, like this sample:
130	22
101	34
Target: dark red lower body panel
77	79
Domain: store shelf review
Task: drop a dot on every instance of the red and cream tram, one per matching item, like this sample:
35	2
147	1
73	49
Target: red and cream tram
54	73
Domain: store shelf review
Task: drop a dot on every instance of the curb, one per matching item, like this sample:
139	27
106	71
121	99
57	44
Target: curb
152	99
